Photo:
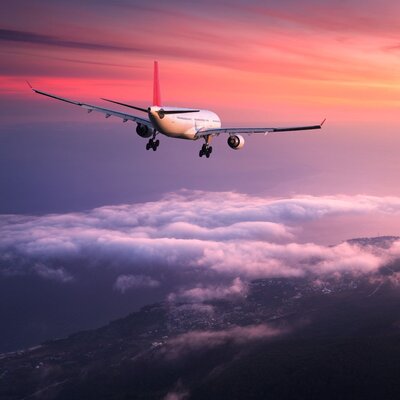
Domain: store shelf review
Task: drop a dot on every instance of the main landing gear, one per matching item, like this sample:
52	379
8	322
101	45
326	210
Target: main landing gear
206	150
152	144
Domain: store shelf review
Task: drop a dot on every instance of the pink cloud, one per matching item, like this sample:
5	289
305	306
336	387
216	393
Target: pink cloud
198	340
344	17
54	274
261	260
203	293
177	395
127	282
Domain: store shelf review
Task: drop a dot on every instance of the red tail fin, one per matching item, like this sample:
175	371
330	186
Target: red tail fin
156	87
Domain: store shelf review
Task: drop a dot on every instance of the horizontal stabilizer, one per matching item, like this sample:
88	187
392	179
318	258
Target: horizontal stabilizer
161	112
166	112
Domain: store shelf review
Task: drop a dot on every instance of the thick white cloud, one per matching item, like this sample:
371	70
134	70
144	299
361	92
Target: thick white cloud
260	259
225	234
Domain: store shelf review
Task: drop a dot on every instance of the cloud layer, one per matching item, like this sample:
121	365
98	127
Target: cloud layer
214	241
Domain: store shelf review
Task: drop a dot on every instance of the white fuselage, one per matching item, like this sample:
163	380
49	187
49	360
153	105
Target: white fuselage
183	125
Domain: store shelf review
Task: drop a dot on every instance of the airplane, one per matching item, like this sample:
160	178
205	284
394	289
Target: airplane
178	122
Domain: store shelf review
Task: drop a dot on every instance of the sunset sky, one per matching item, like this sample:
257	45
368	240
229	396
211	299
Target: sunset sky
267	60
254	63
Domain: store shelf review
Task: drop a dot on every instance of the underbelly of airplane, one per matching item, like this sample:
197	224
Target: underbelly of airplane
188	135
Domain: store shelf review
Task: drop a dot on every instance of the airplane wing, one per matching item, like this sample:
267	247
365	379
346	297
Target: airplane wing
90	108
251	131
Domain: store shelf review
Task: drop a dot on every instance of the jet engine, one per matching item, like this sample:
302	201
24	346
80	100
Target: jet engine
144	131
235	142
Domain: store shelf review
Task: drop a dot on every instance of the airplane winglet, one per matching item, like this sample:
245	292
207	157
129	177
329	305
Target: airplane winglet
29	85
322	122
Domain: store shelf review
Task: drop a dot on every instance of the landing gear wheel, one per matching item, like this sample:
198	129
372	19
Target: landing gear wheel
206	150
152	144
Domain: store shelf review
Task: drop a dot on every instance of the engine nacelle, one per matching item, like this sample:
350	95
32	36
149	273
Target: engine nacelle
144	131
235	142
